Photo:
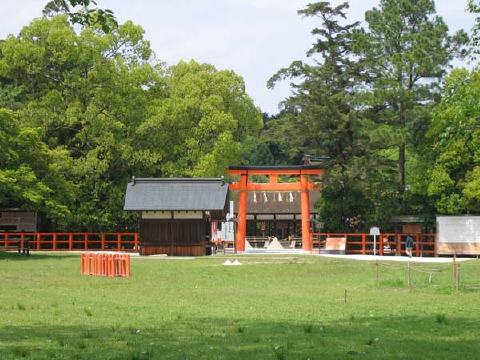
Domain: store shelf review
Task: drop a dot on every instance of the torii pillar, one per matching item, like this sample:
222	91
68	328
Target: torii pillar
305	213
241	232
244	186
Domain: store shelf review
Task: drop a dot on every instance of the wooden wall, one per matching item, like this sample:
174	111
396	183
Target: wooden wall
172	237
177	250
18	221
458	249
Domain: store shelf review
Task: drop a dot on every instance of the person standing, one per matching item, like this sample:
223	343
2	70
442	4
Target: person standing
408	245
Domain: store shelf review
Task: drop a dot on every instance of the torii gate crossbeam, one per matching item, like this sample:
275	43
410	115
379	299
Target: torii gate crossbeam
243	186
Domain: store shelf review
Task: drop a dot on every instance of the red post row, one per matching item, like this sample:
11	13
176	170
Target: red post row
102	264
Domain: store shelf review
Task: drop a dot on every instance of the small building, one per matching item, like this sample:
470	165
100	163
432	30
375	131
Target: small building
176	214
409	224
18	220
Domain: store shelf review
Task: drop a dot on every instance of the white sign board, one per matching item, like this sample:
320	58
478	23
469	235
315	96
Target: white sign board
458	229
375	231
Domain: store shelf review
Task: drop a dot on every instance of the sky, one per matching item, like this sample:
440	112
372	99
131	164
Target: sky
255	38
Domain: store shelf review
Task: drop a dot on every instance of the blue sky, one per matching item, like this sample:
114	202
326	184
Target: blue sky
255	38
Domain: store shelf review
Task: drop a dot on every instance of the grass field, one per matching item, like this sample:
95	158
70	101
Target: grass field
275	307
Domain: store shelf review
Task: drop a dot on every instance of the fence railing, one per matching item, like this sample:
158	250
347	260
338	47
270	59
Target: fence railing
70	241
386	244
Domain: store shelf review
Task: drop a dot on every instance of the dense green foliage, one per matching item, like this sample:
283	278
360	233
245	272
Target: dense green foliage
84	105
454	174
31	174
366	102
88	110
269	308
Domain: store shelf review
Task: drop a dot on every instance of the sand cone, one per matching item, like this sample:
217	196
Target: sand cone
275	245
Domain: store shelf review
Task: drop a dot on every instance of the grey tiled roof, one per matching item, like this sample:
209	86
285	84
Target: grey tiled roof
176	194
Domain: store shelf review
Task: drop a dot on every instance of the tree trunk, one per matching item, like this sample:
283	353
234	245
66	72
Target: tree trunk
401	166
401	153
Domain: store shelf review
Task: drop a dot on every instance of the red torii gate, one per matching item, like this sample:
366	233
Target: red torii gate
244	185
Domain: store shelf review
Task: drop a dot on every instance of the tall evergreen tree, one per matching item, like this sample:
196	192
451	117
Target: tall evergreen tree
321	116
322	101
407	50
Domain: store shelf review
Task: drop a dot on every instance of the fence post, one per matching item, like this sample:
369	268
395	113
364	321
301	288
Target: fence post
399	244
457	283
85	241
82	264
409	275
135	242
417	245
70	241
119	241
364	244
102	241
455	272
454	268
39	240
54	241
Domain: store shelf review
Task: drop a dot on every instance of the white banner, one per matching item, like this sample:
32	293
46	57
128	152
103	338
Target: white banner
458	229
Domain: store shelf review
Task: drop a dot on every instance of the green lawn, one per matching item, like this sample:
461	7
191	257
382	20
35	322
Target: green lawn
275	307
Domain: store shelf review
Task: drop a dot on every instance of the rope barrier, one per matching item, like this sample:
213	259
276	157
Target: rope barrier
391	266
414	267
410	268
428	271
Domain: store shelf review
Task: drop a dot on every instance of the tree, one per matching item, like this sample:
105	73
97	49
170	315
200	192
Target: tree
201	124
80	12
322	101
87	93
322	117
32	176
453	179
407	50
474	7
101	99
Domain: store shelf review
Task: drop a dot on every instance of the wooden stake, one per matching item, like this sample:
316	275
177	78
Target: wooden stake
454	268
409	274
457	282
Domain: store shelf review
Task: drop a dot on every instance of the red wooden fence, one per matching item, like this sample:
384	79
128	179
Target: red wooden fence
387	244
71	241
